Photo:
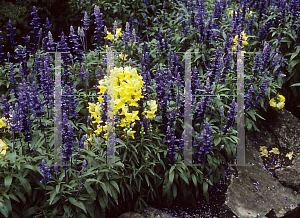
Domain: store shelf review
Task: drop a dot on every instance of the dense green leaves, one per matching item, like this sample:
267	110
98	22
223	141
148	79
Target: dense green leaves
77	203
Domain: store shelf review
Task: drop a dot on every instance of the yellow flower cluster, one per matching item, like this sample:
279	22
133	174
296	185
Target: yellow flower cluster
126	87
115	37
111	37
278	102
3	122
231	12
264	152
3	147
244	41
122	56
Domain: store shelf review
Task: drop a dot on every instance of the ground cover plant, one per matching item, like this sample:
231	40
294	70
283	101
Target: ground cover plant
148	79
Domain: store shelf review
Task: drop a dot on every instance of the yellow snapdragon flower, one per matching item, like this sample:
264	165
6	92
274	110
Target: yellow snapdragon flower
231	12
3	148
3	122
262	148
244	42
122	56
274	150
278	102
290	155
131	133
111	37
264	153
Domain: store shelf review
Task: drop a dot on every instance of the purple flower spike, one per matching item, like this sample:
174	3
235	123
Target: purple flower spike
45	169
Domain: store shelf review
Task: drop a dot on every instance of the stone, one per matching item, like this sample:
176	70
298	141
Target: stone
290	175
130	215
150	213
254	191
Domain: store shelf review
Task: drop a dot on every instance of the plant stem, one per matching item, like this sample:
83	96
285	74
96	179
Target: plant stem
46	197
21	144
13	141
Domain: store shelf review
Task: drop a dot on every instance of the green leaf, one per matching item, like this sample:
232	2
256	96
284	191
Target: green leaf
147	180
166	188
8	204
295	53
90	190
30	62
174	189
83	127
77	203
228	152
250	112
291	36
30	211
217	176
296	84
52	196
293	63
209	160
214	166
182	175
103	187
4	210
20	194
28	167
206	197
25	184
92	180
115	185
171	176
205	187
102	203
12	157
66	209
210	179
73	125
217	141
194	180
249	125
259	116
14	198
7	181
57	188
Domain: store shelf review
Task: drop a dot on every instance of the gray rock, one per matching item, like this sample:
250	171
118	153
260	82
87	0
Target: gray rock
289	175
130	215
148	214
254	191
